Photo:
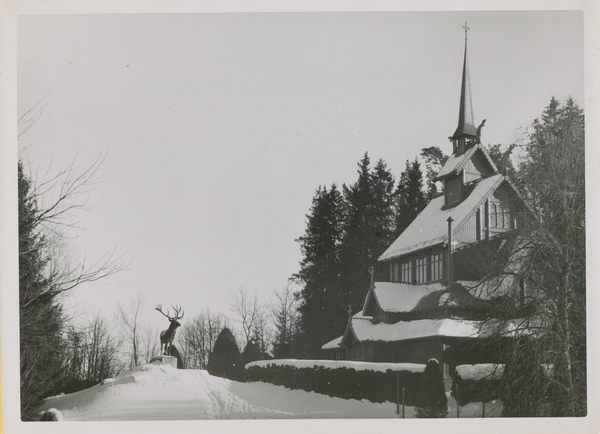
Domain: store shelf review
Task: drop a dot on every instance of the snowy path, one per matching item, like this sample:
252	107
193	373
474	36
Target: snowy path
162	393
155	392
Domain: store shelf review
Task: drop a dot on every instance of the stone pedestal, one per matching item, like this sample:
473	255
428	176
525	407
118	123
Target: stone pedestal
165	360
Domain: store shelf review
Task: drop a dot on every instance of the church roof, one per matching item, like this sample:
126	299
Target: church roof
400	297
332	344
365	330
431	227
490	287
396	297
455	164
362	329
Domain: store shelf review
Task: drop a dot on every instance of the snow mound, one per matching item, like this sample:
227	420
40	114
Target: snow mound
52	415
483	371
160	392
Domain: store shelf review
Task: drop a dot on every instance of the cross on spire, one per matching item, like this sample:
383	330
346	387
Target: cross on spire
466	30
372	273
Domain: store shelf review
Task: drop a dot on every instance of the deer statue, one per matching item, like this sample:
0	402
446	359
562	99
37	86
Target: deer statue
167	336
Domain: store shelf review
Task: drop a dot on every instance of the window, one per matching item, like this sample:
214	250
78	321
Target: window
435	260
406	272
494	216
396	272
421	269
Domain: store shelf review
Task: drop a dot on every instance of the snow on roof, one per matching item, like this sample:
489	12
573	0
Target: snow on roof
431	226
359	366
454	164
407	330
331	345
402	297
488	288
483	371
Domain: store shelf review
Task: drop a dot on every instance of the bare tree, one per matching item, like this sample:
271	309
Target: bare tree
264	332
149	343
199	336
285	318
130	324
91	353
246	309
538	321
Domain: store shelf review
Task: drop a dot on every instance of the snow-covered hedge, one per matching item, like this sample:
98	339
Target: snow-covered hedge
477	383
375	382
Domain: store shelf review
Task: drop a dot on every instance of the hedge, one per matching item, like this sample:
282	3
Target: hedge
339	381
477	383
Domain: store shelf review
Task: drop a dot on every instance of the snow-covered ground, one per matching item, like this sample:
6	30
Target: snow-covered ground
160	392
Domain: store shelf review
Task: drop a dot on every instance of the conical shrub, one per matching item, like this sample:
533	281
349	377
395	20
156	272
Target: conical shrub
432	401
225	359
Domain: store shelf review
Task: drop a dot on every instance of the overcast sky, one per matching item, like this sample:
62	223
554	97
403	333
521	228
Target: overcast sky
218	128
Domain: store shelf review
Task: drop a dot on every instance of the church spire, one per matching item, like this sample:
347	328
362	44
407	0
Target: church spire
466	123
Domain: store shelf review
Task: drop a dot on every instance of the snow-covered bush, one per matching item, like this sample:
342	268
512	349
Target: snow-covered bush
376	382
476	383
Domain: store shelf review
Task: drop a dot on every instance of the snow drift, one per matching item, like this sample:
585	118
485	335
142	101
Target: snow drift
160	392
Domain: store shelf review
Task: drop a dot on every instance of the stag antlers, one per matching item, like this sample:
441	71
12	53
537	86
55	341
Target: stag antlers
177	309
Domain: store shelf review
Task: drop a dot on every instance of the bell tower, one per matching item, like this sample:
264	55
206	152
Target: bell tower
466	123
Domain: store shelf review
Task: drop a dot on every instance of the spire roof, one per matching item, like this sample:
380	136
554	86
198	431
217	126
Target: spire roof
466	123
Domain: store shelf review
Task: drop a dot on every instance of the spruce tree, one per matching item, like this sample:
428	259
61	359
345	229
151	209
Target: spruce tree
252	352
225	359
411	199
434	160
41	317
383	219
357	249
319	272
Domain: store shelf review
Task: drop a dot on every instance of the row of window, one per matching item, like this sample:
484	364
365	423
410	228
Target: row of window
422	269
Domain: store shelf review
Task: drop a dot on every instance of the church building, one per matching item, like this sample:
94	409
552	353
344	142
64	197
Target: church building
430	281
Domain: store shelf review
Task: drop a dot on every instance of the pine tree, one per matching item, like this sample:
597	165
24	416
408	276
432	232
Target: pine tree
383	220
344	238
411	199
40	315
357	248
225	359
320	271
434	160
252	352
